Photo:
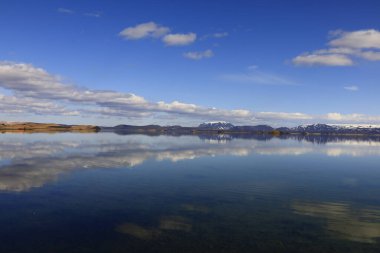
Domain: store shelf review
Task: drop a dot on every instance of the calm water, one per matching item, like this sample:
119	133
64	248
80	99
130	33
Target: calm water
133	193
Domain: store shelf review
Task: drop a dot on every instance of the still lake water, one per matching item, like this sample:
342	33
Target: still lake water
133	193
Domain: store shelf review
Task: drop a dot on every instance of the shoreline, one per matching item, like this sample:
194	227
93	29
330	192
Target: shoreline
31	127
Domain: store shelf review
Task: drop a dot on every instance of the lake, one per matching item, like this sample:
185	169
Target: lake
106	192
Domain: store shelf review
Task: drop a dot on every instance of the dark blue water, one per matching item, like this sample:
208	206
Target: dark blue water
133	193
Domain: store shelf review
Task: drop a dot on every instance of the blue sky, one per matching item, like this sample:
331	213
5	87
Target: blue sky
248	62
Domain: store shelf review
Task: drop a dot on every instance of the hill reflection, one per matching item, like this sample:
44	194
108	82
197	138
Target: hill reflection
28	161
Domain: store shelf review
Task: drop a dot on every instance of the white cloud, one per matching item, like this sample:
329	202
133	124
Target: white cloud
66	11
32	90
153	30
352	118
325	60
199	55
283	116
179	39
144	30
13	104
37	85
357	39
369	55
344	46
336	50
351	88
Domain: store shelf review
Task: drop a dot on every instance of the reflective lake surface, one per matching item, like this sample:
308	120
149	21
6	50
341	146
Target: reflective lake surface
133	193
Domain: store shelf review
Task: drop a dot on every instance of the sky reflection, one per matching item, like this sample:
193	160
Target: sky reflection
28	161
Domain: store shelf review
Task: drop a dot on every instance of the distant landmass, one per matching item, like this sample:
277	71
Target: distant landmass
214	127
45	127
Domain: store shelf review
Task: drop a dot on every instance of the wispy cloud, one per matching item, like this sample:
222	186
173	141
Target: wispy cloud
199	55
65	10
344	46
256	76
94	14
217	35
351	88
220	35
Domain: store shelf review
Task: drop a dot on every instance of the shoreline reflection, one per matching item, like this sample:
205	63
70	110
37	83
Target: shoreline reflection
32	161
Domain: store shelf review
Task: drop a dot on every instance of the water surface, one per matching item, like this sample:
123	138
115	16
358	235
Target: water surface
133	193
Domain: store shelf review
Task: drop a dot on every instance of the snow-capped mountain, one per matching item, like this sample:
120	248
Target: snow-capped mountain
340	129
356	126
216	125
316	128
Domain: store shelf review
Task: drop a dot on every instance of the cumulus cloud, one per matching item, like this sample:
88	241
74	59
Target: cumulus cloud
199	55
351	88
30	84
144	30
179	39
35	91
153	30
344	46
357	39
369	55
13	104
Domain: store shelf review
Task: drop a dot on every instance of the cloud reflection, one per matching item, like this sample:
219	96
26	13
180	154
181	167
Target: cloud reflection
166	223
344	221
29	161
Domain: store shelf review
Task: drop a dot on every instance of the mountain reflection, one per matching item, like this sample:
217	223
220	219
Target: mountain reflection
28	161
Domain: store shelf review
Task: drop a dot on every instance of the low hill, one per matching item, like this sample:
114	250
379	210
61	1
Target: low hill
45	127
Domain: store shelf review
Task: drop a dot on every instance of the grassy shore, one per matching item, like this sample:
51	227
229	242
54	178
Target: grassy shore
30	127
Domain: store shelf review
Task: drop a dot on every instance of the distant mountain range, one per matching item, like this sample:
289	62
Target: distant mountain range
226	127
311	129
223	125
326	129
